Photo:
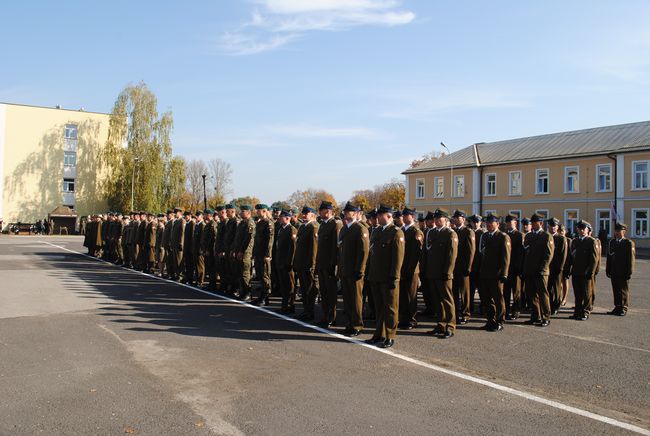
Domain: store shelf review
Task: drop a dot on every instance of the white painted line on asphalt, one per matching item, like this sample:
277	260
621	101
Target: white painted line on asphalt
460	375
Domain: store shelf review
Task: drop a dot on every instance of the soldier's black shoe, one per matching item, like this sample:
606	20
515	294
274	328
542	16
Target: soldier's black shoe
374	340
532	321
388	343
584	317
352	333
436	331
545	323
617	312
448	334
462	320
622	313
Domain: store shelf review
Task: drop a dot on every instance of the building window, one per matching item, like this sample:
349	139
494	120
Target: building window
640	174
603	221
459	186
71	131
571	180
69	158
68	185
491	184
571	218
514	187
419	188
541	187
604	178
640	222
515	213
438	187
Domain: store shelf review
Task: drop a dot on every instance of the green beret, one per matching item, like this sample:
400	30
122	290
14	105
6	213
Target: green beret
209	211
261	206
245	207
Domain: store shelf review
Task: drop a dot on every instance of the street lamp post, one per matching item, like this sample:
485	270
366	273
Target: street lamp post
451	181
135	161
205	199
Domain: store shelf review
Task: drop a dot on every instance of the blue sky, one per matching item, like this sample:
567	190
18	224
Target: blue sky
332	94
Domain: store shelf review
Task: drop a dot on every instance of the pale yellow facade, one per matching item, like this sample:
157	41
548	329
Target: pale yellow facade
597	189
49	157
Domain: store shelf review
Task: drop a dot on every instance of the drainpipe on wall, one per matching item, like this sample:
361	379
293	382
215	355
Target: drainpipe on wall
614	190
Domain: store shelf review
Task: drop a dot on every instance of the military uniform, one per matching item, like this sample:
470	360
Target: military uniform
621	255
208	246
539	247
230	282
188	249
326	259
150	245
176	243
385	270
141	237
585	258
462	270
262	253
167	248
475	274
495	260
512	289
285	246
304	263
197	252
410	275
442	250
556	268
243	247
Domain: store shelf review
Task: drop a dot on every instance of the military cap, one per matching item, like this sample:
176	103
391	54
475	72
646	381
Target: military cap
583	225
286	213
187	213
219	208
553	221
536	218
458	213
276	209
229	206
198	212
407	211
420	219
161	215
429	215
307	209
441	213
490	218
475	218
397	214
294	210
209	211
245	207
260	206
372	213
349	207
525	221
178	209
168	211
620	226
511	218
384	209
325	205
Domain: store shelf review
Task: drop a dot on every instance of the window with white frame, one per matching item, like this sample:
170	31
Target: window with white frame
70	131
640	171
69	158
419	188
604	178
438	187
514	185
491	184
541	185
571	179
640	222
515	213
68	185
571	218
459	186
603	221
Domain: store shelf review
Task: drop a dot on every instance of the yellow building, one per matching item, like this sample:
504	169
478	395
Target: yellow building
597	175
49	157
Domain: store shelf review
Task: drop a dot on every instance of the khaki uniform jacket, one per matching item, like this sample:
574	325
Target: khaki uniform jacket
516	252
442	250
388	254
150	234
585	257
178	234
160	230
476	263
208	238
620	258
559	254
167	233
306	246
141	234
327	253
264	233
353	246
539	252
495	255
229	234
466	247
199	228
244	237
220	238
285	246
413	243
187	238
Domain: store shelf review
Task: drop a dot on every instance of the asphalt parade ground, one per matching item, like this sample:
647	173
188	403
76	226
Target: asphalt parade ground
91	348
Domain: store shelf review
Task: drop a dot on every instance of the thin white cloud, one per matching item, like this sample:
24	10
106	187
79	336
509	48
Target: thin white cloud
625	56
312	131
276	23
381	163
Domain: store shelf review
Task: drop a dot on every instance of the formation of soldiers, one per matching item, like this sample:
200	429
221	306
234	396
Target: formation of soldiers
379	261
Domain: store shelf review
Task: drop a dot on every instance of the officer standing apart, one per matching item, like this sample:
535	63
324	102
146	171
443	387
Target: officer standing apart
495	260
539	251
620	266
583	269
385	270
442	250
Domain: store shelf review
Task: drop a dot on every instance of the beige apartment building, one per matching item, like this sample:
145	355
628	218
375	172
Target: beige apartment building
599	175
49	157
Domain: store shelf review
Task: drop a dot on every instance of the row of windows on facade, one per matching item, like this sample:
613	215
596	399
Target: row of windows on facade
640	180
70	155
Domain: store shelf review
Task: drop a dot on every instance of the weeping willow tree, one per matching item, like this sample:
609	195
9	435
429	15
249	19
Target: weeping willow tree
139	154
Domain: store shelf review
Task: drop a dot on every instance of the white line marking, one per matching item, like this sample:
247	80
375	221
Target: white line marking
460	375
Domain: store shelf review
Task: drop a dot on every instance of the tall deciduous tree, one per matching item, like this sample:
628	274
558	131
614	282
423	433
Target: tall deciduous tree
220	179
196	169
139	153
310	197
